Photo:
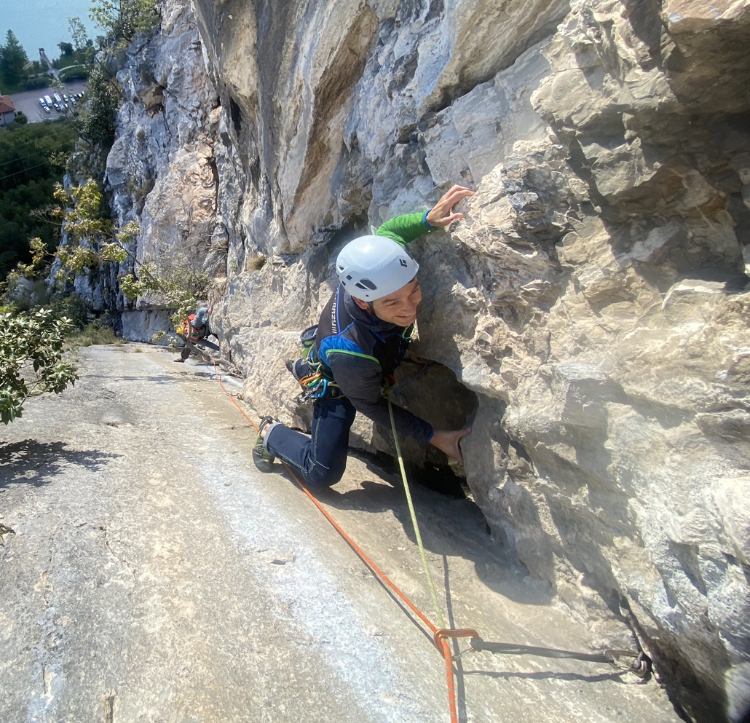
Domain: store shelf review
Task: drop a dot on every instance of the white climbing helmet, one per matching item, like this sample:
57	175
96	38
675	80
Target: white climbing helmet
371	267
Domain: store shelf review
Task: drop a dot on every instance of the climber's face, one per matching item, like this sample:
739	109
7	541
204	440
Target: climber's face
400	307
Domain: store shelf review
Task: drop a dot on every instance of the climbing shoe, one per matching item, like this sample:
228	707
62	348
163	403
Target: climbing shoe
261	456
299	369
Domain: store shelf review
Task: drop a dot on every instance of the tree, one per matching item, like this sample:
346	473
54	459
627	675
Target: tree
32	158
13	59
78	33
98	125
93	241
65	48
122	19
31	349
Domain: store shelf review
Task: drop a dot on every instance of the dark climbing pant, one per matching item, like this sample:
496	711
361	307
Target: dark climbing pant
185	353
321	458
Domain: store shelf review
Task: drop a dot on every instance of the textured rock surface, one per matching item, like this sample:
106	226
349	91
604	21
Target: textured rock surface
592	306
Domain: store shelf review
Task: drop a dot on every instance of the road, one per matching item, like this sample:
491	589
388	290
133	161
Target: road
28	102
151	573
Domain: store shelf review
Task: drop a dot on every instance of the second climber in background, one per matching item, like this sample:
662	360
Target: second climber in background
362	336
194	330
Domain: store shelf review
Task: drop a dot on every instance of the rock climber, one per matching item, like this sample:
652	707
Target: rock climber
363	333
194	330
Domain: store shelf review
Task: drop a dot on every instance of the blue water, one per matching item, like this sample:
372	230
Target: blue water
44	23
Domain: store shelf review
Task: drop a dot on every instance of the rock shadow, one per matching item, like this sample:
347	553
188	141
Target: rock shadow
152	378
549	674
37	463
448	526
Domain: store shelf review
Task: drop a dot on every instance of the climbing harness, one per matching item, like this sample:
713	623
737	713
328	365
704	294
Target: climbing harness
319	383
188	332
641	664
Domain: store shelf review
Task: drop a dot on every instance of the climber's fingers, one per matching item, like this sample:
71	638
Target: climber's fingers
440	214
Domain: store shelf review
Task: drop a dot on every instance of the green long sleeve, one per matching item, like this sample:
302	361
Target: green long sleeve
404	229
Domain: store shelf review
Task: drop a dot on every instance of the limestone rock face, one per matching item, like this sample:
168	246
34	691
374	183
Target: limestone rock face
589	315
161	170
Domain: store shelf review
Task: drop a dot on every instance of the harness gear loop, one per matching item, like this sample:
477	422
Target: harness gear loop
318	382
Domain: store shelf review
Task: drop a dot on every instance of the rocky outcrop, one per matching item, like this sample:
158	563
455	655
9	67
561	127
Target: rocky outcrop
589	316
161	170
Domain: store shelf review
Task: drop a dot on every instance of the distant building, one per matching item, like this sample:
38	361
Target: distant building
7	110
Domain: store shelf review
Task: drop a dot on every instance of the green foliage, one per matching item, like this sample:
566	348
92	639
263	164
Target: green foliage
31	363
29	167
36	83
85	219
21	118
39	253
98	119
13	59
78	33
83	212
93	242
74	72
65	48
93	333
78	57
122	19
72	307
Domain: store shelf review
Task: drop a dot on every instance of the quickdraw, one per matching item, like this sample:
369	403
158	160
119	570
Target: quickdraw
318	384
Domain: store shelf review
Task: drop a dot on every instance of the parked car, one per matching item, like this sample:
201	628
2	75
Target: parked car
65	97
47	100
57	98
56	107
46	109
41	102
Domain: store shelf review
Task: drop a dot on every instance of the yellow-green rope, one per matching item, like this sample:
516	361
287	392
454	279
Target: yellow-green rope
435	602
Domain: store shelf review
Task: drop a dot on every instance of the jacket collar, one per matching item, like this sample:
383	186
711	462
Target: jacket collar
370	321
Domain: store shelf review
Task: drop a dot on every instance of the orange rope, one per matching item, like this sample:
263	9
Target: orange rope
358	550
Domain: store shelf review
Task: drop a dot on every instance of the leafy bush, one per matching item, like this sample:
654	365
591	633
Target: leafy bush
74	72
73	308
21	118
31	363
36	83
93	241
122	19
94	333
